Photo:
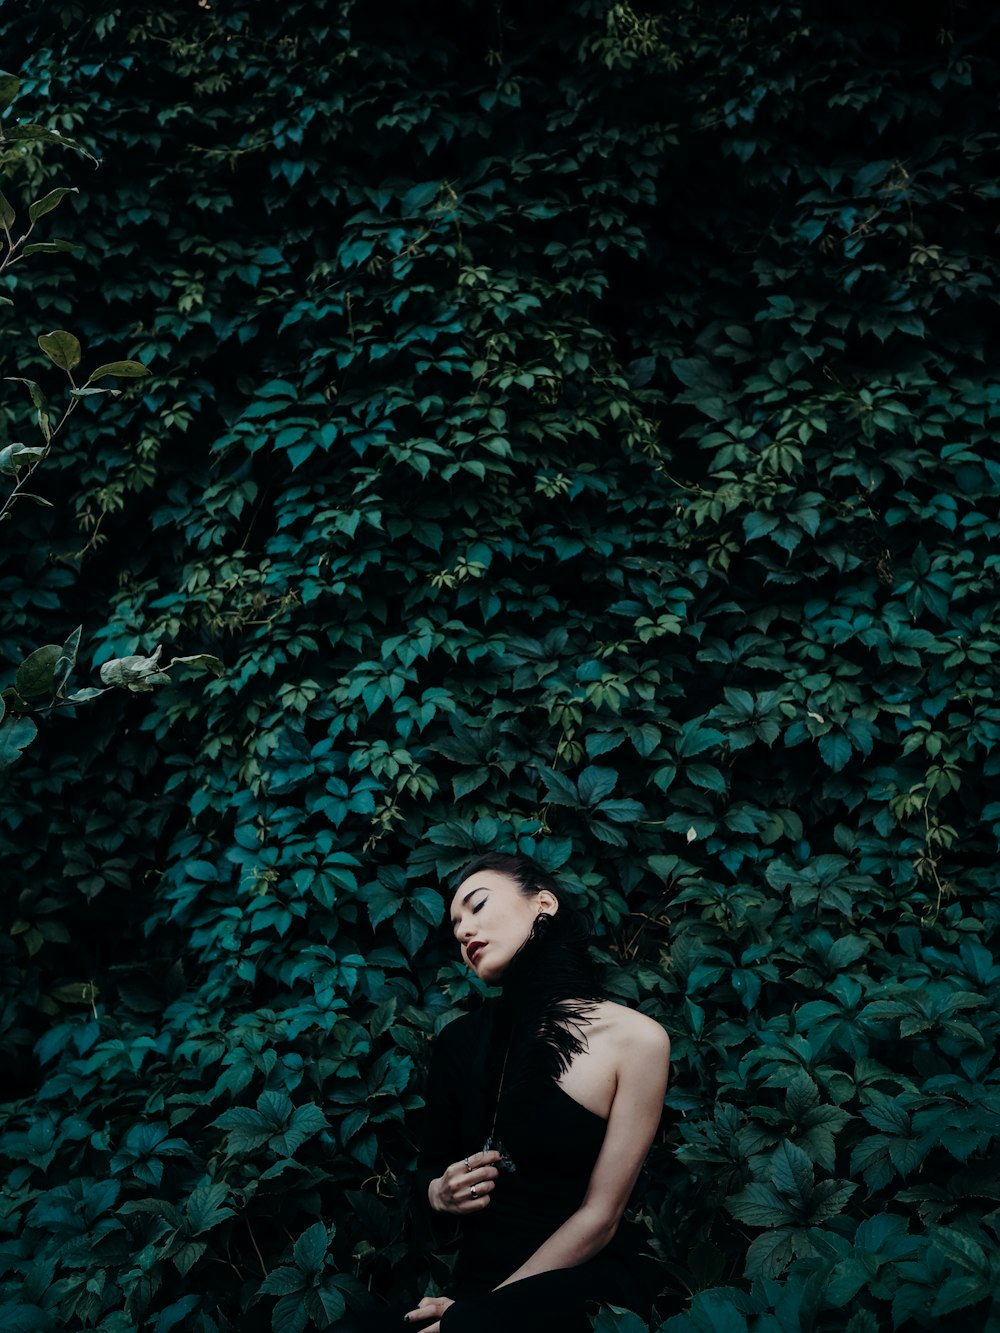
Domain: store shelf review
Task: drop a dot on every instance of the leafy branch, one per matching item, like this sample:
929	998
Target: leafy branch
41	679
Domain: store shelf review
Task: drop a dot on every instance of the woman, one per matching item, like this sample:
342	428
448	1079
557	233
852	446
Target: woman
540	1108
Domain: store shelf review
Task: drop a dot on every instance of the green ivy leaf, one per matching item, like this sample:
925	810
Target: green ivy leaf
310	1249
289	1315
282	1282
835	749
206	1207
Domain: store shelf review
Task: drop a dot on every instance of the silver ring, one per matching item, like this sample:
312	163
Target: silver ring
472	1191
467	1166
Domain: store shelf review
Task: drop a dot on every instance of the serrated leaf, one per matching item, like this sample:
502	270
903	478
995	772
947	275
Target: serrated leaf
282	1282
309	1251
274	1108
595	783
419	196
760	1205
616	1319
694	738
770	1254
173	1314
706	776
205	1207
835	749
792	1172
960	1291
289	1315
622	811
411	930
240	1117
16	734
961	1249
331	1300
187	1255
862	1321
828	1200
846	1280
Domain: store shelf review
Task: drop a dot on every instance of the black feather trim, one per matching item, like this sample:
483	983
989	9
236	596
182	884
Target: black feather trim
550	988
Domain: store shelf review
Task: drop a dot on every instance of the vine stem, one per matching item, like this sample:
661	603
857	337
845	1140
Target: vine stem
15	494
253	1241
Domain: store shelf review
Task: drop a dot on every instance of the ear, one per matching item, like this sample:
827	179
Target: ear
548	902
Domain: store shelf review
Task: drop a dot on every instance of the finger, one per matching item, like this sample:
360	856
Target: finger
481	1180
482	1158
427	1309
485	1174
480	1190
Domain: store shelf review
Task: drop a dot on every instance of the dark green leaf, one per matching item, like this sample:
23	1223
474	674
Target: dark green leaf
62	348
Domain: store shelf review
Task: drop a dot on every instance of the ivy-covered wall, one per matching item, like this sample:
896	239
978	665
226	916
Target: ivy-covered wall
574	427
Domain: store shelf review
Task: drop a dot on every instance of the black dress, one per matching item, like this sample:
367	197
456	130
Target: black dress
554	1142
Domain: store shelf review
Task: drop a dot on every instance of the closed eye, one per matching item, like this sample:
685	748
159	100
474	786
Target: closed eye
478	907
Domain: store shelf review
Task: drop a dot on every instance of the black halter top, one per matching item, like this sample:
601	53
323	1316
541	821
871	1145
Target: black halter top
553	1140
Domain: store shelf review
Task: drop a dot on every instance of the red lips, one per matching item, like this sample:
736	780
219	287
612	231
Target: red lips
473	949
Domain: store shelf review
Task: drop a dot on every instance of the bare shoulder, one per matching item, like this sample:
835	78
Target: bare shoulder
639	1048
632	1028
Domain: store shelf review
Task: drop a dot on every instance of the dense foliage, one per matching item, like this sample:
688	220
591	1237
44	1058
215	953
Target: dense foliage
573	428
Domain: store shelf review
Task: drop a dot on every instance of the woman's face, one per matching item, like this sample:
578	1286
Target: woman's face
489	910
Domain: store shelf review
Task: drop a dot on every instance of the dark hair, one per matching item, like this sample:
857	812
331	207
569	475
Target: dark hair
551	980
531	879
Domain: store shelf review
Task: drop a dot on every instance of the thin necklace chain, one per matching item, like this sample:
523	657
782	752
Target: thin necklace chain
500	1088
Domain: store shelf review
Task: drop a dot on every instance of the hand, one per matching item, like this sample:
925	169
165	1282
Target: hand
431	1307
452	1192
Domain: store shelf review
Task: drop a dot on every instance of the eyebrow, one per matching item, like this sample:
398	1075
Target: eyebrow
481	887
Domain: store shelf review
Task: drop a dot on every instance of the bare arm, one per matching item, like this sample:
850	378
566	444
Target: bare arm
632	1125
